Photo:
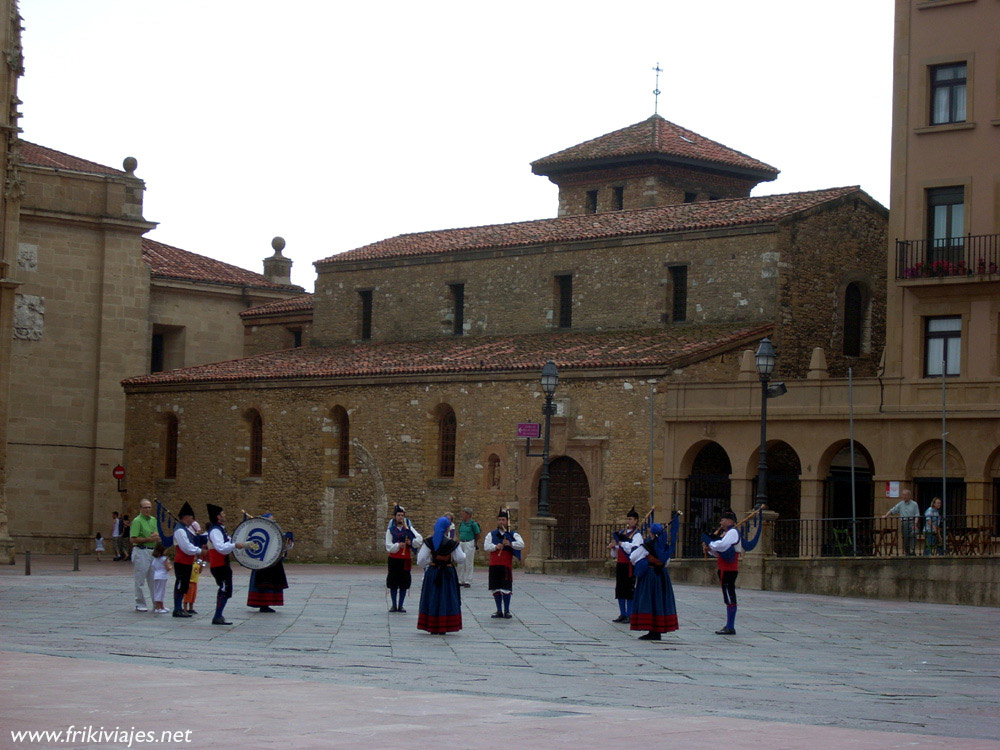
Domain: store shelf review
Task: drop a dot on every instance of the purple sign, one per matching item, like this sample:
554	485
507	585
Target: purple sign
529	430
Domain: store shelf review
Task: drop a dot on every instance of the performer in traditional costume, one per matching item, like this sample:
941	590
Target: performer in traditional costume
189	546
218	560
621	547
440	601
726	550
503	545
653	606
267	586
400	541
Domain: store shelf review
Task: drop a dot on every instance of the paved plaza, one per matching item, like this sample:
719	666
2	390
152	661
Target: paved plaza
334	669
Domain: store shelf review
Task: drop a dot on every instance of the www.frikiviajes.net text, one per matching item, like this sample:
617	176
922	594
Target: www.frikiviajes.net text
89	734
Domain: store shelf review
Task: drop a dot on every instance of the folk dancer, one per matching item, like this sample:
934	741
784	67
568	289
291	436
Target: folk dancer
400	541
189	547
440	600
726	550
653	607
267	586
621	547
218	560
503	545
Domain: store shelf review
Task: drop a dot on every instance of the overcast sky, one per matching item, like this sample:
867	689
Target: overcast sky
340	124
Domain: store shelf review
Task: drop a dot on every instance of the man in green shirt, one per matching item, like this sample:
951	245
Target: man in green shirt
468	538
144	538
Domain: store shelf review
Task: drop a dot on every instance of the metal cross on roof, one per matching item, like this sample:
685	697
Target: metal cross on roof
656	90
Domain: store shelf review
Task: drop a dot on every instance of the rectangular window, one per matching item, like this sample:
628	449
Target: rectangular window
564	292
366	314
690	197
156	359
458	308
678	293
618	198
948	87
942	346
591	206
945	223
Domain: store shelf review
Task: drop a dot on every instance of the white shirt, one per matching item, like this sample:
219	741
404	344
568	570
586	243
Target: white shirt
730	539
219	544
488	545
183	543
424	556
631	544
391	546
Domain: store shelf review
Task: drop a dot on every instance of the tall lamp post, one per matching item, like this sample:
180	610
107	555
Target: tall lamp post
550	379
766	358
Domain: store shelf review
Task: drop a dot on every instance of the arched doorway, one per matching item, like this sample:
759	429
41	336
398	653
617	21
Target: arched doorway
569	504
784	496
708	494
839	532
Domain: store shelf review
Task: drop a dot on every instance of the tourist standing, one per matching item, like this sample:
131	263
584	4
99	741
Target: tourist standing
468	537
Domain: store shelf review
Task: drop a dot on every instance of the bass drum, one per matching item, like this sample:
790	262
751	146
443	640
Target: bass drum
263	543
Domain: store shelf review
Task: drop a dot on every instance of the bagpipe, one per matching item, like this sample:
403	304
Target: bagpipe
507	533
166	524
743	529
664	549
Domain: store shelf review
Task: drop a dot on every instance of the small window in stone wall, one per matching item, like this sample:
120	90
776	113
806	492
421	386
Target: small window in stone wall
365	296
343	422
617	198
677	294
590	206
853	320
690	197
564	300
458	308
447	428
256	444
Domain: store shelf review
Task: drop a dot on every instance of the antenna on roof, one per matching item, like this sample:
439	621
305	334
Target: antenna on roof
656	90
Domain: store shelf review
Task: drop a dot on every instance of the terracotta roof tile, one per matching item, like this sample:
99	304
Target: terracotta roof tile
666	347
653	137
300	304
676	218
167	262
40	156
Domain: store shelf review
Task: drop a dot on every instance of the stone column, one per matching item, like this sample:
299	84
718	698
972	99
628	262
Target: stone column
542	530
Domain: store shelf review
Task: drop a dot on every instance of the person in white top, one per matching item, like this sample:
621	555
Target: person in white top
161	574
220	547
400	541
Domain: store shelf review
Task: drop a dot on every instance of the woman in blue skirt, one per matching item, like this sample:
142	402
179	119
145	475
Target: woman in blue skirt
653	606
440	601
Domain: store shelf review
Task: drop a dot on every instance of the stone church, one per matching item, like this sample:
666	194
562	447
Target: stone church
422	353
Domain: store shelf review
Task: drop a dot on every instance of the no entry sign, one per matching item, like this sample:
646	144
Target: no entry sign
118	472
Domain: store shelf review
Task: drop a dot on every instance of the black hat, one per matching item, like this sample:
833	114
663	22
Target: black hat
728	513
398	509
213	512
186	510
632	513
503	512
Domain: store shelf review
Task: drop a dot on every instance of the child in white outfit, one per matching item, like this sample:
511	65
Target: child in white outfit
161	574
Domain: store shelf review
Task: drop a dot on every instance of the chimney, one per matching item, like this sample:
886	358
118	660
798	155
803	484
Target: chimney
278	268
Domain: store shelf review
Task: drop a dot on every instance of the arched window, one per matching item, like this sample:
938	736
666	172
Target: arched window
446	442
854	319
343	423
256	444
170	452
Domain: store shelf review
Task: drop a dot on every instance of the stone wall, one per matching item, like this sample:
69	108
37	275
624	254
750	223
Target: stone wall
262	335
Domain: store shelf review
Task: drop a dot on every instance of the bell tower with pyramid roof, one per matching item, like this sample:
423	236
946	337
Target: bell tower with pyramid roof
649	164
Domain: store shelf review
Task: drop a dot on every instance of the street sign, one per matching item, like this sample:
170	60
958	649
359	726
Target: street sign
118	472
529	430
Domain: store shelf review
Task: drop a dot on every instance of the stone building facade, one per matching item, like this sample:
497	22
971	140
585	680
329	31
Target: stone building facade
424	353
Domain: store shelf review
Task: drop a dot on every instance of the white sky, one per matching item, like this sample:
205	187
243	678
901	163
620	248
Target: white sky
337	124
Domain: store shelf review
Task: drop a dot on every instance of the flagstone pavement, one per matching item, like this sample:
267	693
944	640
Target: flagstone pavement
334	669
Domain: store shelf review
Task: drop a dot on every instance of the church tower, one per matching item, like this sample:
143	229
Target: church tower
652	163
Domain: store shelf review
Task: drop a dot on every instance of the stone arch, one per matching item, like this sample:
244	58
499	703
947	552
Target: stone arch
784	491
708	492
569	504
834	470
925	460
443	430
924	469
854	309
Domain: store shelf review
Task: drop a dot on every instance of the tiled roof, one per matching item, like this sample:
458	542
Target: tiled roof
40	156
661	347
168	262
653	137
676	218
300	304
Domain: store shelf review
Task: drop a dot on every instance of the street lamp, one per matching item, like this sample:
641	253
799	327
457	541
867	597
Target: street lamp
550	379
765	358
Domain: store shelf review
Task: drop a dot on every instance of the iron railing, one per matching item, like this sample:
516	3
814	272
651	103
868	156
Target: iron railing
819	537
971	255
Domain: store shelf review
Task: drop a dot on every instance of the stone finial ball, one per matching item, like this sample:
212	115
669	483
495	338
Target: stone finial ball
278	244
130	164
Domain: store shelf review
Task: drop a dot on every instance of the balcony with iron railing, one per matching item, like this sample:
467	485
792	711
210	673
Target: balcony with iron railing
972	257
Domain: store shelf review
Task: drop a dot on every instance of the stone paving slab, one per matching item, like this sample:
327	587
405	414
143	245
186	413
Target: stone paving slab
801	666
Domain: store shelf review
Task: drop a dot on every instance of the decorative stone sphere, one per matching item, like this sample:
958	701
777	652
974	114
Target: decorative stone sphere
130	164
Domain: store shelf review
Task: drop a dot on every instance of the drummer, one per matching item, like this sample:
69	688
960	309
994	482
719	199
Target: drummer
220	547
267	586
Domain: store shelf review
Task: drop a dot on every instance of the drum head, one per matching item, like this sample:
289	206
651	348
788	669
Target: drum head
263	540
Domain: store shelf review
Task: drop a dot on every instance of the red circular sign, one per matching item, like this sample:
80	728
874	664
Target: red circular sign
118	472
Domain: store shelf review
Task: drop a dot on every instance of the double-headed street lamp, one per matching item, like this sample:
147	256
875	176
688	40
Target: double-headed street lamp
766	357
550	379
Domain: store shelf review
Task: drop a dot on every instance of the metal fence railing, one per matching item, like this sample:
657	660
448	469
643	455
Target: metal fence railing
970	255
